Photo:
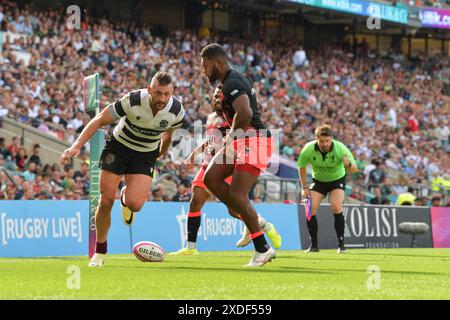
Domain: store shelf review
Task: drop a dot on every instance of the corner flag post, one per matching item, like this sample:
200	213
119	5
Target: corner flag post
91	99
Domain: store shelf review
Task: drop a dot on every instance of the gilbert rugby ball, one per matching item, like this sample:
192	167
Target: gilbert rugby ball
147	251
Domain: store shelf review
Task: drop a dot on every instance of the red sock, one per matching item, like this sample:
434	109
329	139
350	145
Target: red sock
255	235
194	214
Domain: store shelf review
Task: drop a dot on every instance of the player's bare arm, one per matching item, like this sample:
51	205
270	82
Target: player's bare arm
303	179
241	120
102	119
350	167
242	117
166	140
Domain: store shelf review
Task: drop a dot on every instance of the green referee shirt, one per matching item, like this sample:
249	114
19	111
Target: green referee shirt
327	166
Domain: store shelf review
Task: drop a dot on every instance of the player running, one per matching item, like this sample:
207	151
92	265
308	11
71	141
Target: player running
246	150
330	159
148	117
216	127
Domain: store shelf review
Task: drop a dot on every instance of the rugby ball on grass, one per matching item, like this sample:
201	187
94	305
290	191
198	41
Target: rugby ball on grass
147	251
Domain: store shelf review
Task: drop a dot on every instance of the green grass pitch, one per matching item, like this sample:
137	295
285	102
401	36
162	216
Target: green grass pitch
404	274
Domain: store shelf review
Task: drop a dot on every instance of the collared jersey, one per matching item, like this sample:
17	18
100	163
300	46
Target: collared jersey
326	167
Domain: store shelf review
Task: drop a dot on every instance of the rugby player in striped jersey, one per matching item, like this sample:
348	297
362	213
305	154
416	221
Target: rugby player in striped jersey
147	119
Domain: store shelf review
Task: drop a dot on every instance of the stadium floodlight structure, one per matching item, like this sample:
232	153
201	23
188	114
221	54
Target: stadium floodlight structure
91	100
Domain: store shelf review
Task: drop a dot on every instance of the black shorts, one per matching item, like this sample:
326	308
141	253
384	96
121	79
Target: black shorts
121	160
325	187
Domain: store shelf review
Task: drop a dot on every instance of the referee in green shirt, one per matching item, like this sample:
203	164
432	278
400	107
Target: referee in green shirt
330	159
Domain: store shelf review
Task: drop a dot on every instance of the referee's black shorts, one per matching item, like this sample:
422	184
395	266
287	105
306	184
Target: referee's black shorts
326	187
121	160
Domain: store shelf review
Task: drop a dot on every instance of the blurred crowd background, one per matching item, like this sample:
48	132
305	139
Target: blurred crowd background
390	111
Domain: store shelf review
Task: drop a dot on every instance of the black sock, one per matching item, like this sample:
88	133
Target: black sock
193	224
101	247
339	226
313	228
260	243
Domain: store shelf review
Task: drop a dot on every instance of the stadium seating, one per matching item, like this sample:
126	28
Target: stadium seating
388	111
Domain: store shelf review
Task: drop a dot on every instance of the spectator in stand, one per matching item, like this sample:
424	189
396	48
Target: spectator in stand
185	179
299	58
21	159
11	192
407	198
436	201
3	150
158	194
378	197
13	148
83	173
35	157
377	176
182	195
420	202
30	173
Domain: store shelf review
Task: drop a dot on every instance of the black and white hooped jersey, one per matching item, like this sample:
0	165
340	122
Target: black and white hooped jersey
138	129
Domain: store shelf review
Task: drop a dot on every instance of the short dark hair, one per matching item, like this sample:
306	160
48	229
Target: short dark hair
212	51
323	130
163	78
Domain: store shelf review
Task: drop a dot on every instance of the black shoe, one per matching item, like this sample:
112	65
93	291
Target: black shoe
312	249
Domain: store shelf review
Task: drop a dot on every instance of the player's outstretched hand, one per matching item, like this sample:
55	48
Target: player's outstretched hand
305	194
68	154
346	162
348	166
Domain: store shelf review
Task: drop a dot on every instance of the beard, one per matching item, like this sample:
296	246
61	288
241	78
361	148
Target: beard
214	75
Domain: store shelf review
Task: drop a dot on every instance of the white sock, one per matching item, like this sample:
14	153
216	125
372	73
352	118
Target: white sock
192	245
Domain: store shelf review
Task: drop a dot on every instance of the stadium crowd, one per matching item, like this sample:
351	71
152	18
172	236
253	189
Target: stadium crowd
392	113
